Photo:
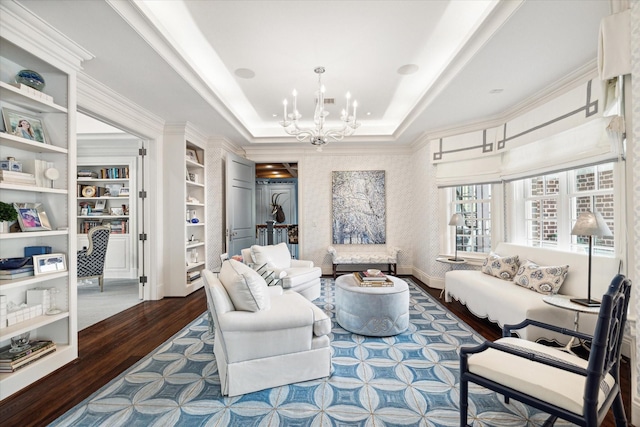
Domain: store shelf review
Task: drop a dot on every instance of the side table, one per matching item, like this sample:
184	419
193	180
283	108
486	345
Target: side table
564	301
447	260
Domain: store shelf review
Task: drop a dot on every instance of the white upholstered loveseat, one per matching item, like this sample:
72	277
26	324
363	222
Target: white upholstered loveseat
264	337
505	303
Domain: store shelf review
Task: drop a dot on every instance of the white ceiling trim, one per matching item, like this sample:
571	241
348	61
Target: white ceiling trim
134	14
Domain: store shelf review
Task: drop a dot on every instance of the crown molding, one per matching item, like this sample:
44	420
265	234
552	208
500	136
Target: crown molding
487	29
99	101
141	22
580	76
25	29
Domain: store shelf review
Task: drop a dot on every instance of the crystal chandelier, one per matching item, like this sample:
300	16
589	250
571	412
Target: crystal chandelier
319	136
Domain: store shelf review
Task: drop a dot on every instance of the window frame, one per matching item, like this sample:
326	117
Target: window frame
565	219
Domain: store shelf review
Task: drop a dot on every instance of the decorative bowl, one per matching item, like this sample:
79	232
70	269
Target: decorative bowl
373	272
30	78
20	342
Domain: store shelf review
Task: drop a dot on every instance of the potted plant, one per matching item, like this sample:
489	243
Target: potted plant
8	215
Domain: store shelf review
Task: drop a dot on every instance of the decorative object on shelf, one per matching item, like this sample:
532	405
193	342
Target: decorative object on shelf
192	155
20	342
124	192
24	125
193	217
11	165
30	78
319	136
32	217
590	224
89	191
54	307
457	220
8	215
49	263
52	174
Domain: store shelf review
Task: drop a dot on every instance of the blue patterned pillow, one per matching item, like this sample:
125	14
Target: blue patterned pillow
545	280
502	267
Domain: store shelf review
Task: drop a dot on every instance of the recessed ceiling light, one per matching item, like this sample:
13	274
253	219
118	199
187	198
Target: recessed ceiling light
245	73
408	69
368	113
494	91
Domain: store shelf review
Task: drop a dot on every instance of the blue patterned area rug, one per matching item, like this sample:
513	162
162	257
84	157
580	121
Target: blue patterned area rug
409	379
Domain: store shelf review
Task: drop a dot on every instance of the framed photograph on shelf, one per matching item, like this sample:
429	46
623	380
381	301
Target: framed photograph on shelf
100	205
113	190
192	155
32	217
117	211
49	263
124	192
24	125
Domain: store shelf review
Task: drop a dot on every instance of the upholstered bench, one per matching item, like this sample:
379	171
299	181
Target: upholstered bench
389	258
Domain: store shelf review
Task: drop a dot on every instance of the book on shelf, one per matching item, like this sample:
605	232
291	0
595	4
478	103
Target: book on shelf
87	173
22	178
386	282
9	272
7	356
16	275
9	362
115	173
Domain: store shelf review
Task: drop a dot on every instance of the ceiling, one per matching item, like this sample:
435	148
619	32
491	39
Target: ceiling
188	60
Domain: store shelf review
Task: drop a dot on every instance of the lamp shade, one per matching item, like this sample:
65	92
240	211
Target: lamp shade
457	220
591	224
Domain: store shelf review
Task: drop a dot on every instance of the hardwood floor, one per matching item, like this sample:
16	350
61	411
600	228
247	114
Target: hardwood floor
111	346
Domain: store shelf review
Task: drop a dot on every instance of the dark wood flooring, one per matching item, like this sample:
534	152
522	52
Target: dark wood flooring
113	345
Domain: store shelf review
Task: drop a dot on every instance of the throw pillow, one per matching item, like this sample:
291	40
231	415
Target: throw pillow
246	288
275	256
503	267
543	279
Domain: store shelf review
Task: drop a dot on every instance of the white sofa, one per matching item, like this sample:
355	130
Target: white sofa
283	340
296	274
505	303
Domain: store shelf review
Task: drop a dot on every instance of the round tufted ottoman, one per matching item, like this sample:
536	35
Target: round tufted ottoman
378	312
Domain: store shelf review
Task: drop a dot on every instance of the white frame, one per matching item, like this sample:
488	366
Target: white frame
39	261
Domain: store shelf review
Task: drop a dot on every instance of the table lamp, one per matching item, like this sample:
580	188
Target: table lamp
590	224
457	220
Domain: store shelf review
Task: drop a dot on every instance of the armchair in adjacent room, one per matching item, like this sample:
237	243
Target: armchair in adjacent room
91	260
264	337
558	383
301	276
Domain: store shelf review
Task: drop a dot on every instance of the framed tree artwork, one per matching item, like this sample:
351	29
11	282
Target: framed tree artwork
358	207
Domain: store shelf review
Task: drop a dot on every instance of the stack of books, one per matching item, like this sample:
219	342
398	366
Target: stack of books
192	276
16	273
11	361
372	280
20	178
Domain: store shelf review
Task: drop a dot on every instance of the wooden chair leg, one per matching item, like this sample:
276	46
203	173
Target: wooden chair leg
335	267
618	411
464	402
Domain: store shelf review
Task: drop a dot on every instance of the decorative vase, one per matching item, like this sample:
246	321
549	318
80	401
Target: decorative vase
30	78
5	226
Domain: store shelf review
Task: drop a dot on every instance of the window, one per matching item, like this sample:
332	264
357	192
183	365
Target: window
553	202
474	203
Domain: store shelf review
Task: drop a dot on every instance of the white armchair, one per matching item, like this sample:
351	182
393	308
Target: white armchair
300	276
264	337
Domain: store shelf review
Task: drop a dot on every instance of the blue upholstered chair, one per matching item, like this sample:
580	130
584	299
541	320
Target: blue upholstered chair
91	260
558	383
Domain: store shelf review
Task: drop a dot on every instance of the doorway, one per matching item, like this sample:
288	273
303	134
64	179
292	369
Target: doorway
110	166
277	204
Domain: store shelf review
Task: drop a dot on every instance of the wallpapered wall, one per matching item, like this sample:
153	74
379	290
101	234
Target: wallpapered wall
315	204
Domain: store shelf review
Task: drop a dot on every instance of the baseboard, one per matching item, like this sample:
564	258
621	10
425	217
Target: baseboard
635	411
430	281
